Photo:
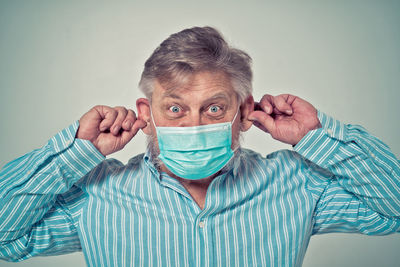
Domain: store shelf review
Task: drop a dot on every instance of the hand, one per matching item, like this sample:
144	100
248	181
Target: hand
109	129
286	117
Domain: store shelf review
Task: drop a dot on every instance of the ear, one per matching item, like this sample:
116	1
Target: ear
245	109
144	113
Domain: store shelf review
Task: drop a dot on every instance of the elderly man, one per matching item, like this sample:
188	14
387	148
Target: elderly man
196	198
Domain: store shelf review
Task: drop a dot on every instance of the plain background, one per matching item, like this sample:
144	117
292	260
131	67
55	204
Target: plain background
60	58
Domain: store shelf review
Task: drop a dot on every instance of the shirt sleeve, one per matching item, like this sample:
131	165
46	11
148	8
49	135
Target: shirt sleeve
363	191
38	199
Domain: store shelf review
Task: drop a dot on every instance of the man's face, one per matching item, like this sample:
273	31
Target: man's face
207	98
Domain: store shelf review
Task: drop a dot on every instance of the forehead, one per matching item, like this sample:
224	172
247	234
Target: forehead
199	86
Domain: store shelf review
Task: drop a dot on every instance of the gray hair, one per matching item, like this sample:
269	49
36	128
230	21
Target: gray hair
193	50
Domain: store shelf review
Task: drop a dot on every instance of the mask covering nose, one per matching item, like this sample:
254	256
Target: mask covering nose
195	152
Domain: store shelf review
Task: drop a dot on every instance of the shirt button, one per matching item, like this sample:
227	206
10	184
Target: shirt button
329	131
201	224
372	155
68	142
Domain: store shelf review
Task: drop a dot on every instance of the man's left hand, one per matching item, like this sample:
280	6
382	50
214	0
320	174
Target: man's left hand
287	118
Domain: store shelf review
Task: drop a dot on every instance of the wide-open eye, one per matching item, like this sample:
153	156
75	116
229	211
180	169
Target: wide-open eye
214	111
174	109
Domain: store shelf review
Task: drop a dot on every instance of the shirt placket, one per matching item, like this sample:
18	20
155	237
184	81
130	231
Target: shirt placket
203	243
204	229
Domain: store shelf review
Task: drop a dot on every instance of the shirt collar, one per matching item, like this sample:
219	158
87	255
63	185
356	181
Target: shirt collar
147	158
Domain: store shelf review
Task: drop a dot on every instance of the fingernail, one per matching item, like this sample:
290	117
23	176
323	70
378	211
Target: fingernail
103	128
250	118
267	109
289	111
128	124
116	129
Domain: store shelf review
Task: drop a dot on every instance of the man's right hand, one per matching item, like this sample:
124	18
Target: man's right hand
109	129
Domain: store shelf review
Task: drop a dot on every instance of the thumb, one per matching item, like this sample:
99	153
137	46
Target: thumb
126	136
262	120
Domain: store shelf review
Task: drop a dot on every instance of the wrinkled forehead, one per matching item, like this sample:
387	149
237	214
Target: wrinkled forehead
200	84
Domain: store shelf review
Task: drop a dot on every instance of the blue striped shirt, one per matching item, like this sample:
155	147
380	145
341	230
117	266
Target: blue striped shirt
262	211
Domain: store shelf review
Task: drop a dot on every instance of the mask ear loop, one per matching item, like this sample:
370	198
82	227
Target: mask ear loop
234	118
152	117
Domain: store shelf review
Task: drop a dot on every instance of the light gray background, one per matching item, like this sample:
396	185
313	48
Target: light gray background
59	58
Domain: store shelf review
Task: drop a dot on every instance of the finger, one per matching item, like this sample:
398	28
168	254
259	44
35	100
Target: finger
280	103
263	121
260	126
126	136
108	116
266	103
117	125
139	124
257	106
129	120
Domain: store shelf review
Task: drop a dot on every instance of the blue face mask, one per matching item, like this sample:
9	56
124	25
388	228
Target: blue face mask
195	152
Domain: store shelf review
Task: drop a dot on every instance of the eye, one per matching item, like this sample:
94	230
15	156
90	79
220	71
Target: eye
174	109
214	109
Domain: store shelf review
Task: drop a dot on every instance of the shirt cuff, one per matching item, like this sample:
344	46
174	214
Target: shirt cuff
77	156
320	144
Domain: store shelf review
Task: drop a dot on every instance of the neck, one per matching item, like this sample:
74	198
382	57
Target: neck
197	189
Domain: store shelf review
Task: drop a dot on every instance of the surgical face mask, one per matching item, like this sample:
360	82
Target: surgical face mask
195	152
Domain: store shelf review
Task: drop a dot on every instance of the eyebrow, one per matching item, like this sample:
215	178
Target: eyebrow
216	96
172	95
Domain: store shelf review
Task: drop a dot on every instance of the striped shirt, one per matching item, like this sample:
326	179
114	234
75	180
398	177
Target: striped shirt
262	211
